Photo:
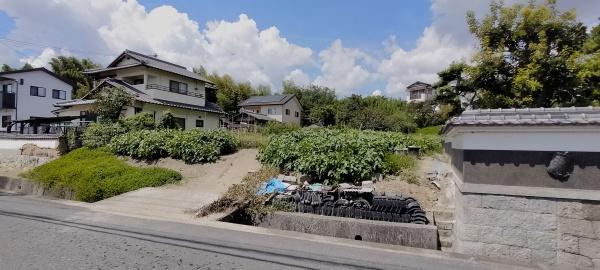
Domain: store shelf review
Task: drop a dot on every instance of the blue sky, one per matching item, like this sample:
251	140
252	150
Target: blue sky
359	23
352	46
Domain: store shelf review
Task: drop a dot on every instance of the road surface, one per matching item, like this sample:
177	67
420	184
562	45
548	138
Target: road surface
37	233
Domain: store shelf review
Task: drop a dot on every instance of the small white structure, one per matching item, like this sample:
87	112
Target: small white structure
419	92
281	108
156	85
31	93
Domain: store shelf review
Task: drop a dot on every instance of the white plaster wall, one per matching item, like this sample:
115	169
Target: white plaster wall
33	106
18	143
294	106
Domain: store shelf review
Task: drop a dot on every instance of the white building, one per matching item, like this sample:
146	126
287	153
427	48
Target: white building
156	85
28	94
419	92
281	108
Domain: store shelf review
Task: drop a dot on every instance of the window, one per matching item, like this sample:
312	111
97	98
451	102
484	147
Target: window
87	116
59	94
5	120
178	87
37	91
7	88
199	123
137	110
297	114
287	111
180	122
270	111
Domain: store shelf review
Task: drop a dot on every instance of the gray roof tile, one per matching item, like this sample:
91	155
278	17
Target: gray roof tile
266	100
526	117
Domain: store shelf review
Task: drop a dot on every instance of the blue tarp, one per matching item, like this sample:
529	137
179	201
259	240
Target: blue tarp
273	185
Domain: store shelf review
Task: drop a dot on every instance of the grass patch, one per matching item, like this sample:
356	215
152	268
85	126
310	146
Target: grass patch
96	174
432	130
394	163
250	139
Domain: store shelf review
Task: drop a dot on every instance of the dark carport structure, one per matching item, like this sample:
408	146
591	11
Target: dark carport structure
43	125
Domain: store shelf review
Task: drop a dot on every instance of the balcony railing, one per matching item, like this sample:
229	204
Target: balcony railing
173	90
7	101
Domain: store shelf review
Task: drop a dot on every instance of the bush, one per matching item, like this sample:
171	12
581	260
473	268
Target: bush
167	121
396	163
140	121
192	146
96	174
276	128
338	154
98	135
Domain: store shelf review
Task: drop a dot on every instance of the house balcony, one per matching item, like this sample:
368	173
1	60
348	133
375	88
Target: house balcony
158	91
8	101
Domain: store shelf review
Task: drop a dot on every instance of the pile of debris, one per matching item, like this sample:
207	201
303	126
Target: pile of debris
343	200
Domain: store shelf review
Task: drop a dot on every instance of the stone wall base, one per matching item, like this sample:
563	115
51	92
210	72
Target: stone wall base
558	232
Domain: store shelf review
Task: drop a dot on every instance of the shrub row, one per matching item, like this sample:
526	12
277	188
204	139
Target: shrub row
192	146
339	154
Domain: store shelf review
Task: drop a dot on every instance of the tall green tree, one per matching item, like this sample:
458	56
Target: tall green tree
311	97
71	68
528	57
6	68
110	102
589	73
230	93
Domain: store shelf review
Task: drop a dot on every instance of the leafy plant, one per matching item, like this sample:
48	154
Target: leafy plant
339	154
100	134
110	102
273	128
140	121
167	121
394	163
96	174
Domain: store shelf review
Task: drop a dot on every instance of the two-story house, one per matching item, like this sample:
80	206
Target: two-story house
419	92
30	93
280	108
156	86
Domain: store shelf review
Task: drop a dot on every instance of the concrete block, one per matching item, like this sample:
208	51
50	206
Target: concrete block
470	200
542	206
573	261
471	248
513	237
468	232
577	227
405	234
504	202
591	211
445	225
569	243
596	263
540	222
489	234
445	233
446	243
570	209
509	252
589	247
543	257
596	228
542	240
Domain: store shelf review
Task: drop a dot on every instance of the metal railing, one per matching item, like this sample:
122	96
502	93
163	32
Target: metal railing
173	90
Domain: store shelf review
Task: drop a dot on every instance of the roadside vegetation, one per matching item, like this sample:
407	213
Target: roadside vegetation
338	155
96	174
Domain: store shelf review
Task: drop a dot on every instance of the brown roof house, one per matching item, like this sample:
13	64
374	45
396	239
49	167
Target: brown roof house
157	86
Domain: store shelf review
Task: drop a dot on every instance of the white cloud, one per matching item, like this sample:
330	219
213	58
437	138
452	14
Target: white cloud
377	93
43	58
102	29
343	68
298	77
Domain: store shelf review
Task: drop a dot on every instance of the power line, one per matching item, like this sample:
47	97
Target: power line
20	43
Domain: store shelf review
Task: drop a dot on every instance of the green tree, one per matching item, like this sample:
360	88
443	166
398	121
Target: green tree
527	58
110	102
310	97
263	90
589	74
167	121
71	68
26	66
230	93
6	68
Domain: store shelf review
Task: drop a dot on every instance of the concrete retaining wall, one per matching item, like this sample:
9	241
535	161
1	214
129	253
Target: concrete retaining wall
549	231
24	186
413	235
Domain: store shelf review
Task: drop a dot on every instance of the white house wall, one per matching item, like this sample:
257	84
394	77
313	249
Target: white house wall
33	106
294	106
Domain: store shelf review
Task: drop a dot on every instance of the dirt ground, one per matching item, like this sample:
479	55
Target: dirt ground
201	184
429	196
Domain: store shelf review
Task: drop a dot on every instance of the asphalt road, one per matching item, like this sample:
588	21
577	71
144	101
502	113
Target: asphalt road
36	233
